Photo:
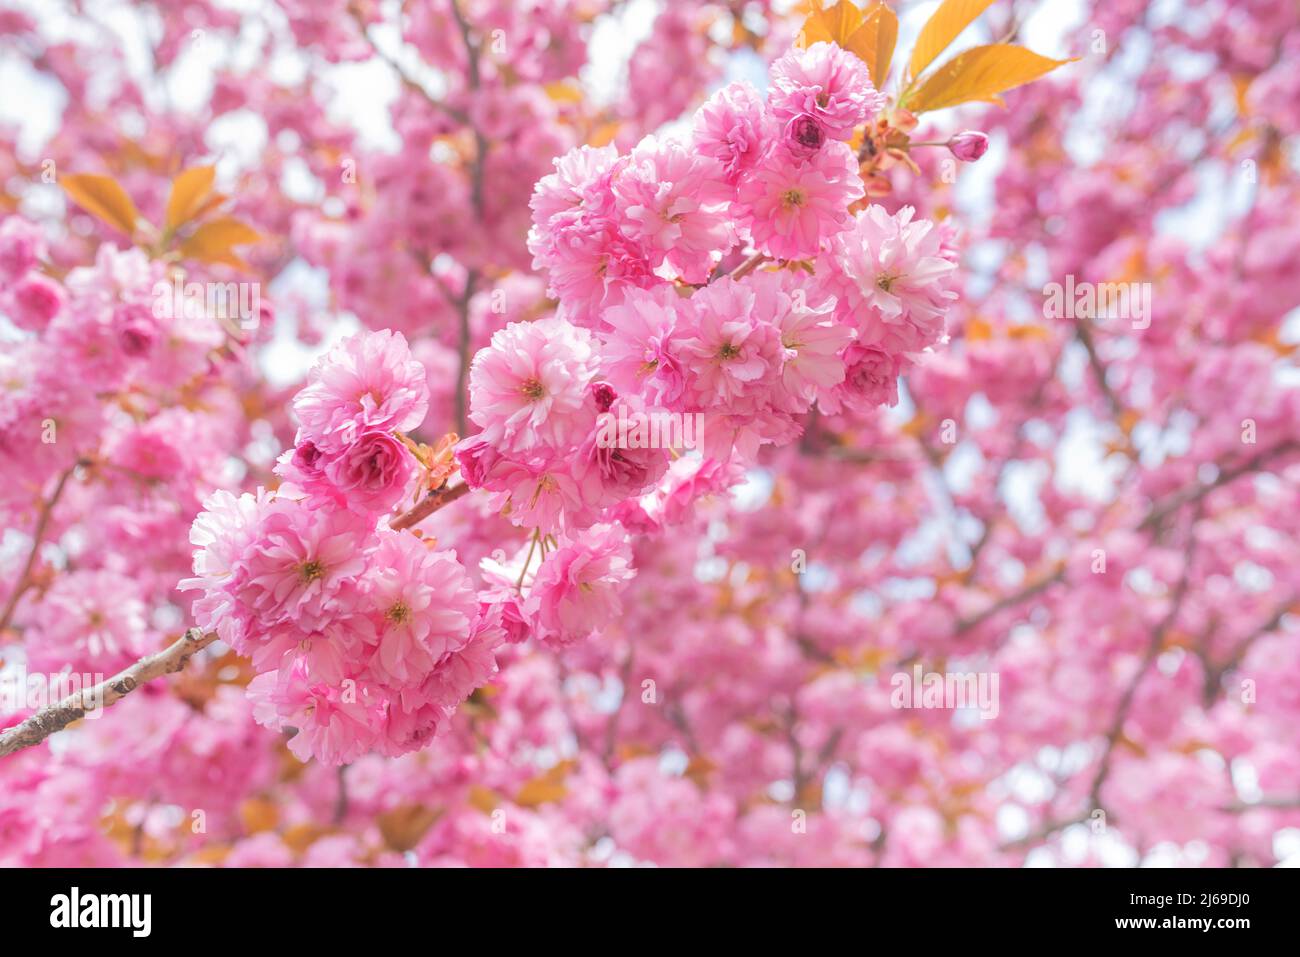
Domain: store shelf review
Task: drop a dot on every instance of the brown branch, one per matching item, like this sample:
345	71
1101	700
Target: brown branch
1029	591
56	717
1130	692
1198	490
1084	332
406	79
341	798
1042	833
1289	802
748	266
1214	674
427	506
462	349
23	581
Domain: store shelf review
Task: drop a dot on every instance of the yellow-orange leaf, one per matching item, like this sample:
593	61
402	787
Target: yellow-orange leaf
213	241
546	787
831	25
952	17
483	798
874	42
564	91
870	36
981	74
102	197
403	826
258	814
603	134
189	191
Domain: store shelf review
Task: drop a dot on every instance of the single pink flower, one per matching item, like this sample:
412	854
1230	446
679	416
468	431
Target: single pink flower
368	381
734	128
529	386
576	590
828	83
373	473
792	203
422	604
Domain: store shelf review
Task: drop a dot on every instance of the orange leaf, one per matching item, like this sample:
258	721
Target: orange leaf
981	74
874	42
189	191
402	827
870	36
483	798
258	814
213	241
603	134
102	197
952	17
832	25
546	787
564	91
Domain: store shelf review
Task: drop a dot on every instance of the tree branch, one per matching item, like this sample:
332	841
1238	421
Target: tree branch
427	506
1197	491
23	581
56	717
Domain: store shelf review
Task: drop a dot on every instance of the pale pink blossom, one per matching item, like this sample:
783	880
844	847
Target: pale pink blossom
894	278
734	128
731	348
298	563
529	386
422	604
641	346
827	83
576	590
368	381
791	205
672	202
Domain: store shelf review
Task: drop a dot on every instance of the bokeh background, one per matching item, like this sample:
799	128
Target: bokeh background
1100	510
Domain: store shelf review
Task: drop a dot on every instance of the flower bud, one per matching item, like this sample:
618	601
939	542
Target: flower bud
969	145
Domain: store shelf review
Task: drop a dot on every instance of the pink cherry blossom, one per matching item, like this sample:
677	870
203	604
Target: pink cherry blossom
578	585
368	381
734	128
422	604
672	203
893	277
529	386
827	83
791	205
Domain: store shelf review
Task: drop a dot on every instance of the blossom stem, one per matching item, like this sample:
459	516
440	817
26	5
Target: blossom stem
749	265
528	560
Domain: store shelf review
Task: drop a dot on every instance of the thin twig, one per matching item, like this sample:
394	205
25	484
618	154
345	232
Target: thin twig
24	579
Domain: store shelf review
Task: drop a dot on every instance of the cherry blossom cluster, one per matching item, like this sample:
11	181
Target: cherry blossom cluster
1102	513
834	301
365	638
